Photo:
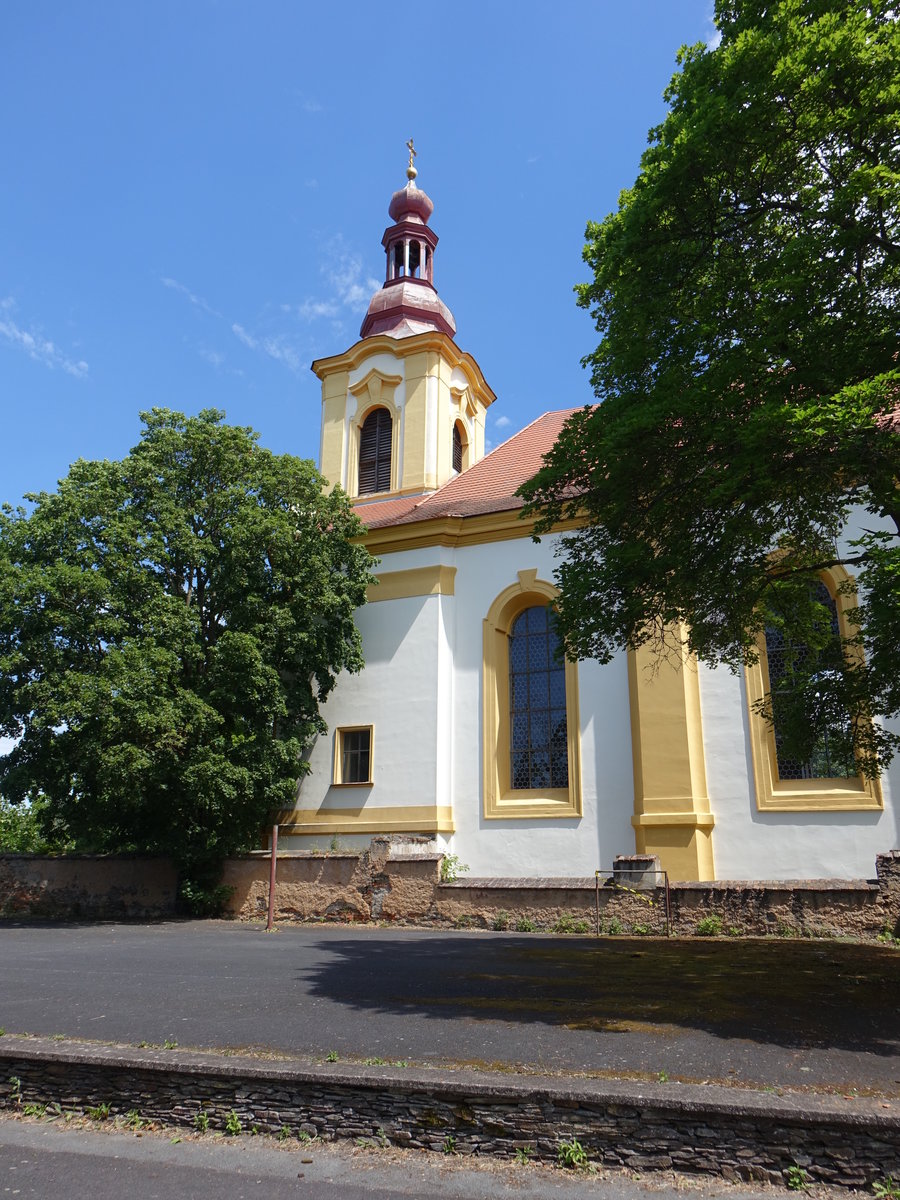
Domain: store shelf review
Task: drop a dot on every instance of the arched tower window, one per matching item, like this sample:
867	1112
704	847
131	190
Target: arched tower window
375	452
457	448
537	704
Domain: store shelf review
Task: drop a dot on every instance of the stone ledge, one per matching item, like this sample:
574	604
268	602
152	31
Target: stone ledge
709	1130
693	1099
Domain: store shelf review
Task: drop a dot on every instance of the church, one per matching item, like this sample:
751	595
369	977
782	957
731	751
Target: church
465	728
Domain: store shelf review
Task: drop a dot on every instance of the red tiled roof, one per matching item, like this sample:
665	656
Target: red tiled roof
487	487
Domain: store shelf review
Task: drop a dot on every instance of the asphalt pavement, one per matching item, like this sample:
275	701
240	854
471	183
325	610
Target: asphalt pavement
750	1013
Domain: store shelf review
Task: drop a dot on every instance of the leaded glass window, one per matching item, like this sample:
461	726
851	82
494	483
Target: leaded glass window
539	756
831	753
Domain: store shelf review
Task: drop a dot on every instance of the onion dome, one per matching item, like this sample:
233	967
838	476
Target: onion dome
408	302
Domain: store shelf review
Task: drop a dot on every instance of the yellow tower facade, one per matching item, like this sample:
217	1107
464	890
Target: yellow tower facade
404	409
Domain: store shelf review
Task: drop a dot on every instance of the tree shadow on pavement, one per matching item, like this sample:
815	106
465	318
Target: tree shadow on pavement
787	993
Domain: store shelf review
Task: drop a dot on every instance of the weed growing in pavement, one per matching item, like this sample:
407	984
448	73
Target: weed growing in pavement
641	929
201	1122
15	1093
569	924
34	1110
304	1137
452	868
523	1154
886	1189
525	925
500	921
170	1044
796	1178
614	927
662	1076
134	1120
232	1124
572	1155
710	926
449	1146
284	1133
98	1112
331	1056
374	1062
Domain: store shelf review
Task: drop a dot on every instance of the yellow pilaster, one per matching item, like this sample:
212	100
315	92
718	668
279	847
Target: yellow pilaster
671	804
413	473
334	427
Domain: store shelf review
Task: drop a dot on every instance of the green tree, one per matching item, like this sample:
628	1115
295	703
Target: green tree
169	627
746	292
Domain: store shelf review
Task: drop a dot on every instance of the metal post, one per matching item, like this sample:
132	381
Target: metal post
597	901
272	866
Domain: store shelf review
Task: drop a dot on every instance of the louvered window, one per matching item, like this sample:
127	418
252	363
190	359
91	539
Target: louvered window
457	449
375	453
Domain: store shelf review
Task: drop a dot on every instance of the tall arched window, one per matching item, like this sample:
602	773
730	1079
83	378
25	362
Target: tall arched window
793	671
531	754
457	448
539	748
825	776
375	452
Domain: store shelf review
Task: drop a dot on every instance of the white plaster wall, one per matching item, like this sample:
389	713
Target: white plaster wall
748	844
536	847
396	693
421	688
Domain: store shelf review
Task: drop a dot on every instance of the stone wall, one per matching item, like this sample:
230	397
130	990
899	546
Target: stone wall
75	886
712	1130
398	880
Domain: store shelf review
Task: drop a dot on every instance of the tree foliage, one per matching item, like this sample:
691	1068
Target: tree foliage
169	627
746	292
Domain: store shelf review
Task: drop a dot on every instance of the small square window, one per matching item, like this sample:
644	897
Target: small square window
353	755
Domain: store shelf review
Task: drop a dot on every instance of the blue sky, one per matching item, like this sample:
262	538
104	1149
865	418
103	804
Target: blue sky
193	195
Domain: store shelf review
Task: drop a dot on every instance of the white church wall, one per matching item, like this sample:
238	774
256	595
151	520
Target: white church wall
535	846
397	694
749	844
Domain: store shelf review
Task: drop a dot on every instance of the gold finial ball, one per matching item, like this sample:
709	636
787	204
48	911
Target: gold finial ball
411	172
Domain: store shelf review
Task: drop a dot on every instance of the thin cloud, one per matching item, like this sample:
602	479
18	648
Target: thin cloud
36	346
277	348
312	106
345	276
166	281
243	336
714	35
309	310
502	422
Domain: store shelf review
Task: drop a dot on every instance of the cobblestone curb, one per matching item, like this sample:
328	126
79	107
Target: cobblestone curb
739	1135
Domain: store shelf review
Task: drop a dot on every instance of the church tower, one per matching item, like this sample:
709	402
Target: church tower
403	410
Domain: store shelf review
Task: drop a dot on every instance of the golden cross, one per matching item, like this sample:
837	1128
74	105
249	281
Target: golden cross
412	151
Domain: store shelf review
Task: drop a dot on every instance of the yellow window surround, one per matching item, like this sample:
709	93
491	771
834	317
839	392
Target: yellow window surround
501	801
802	795
338	766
